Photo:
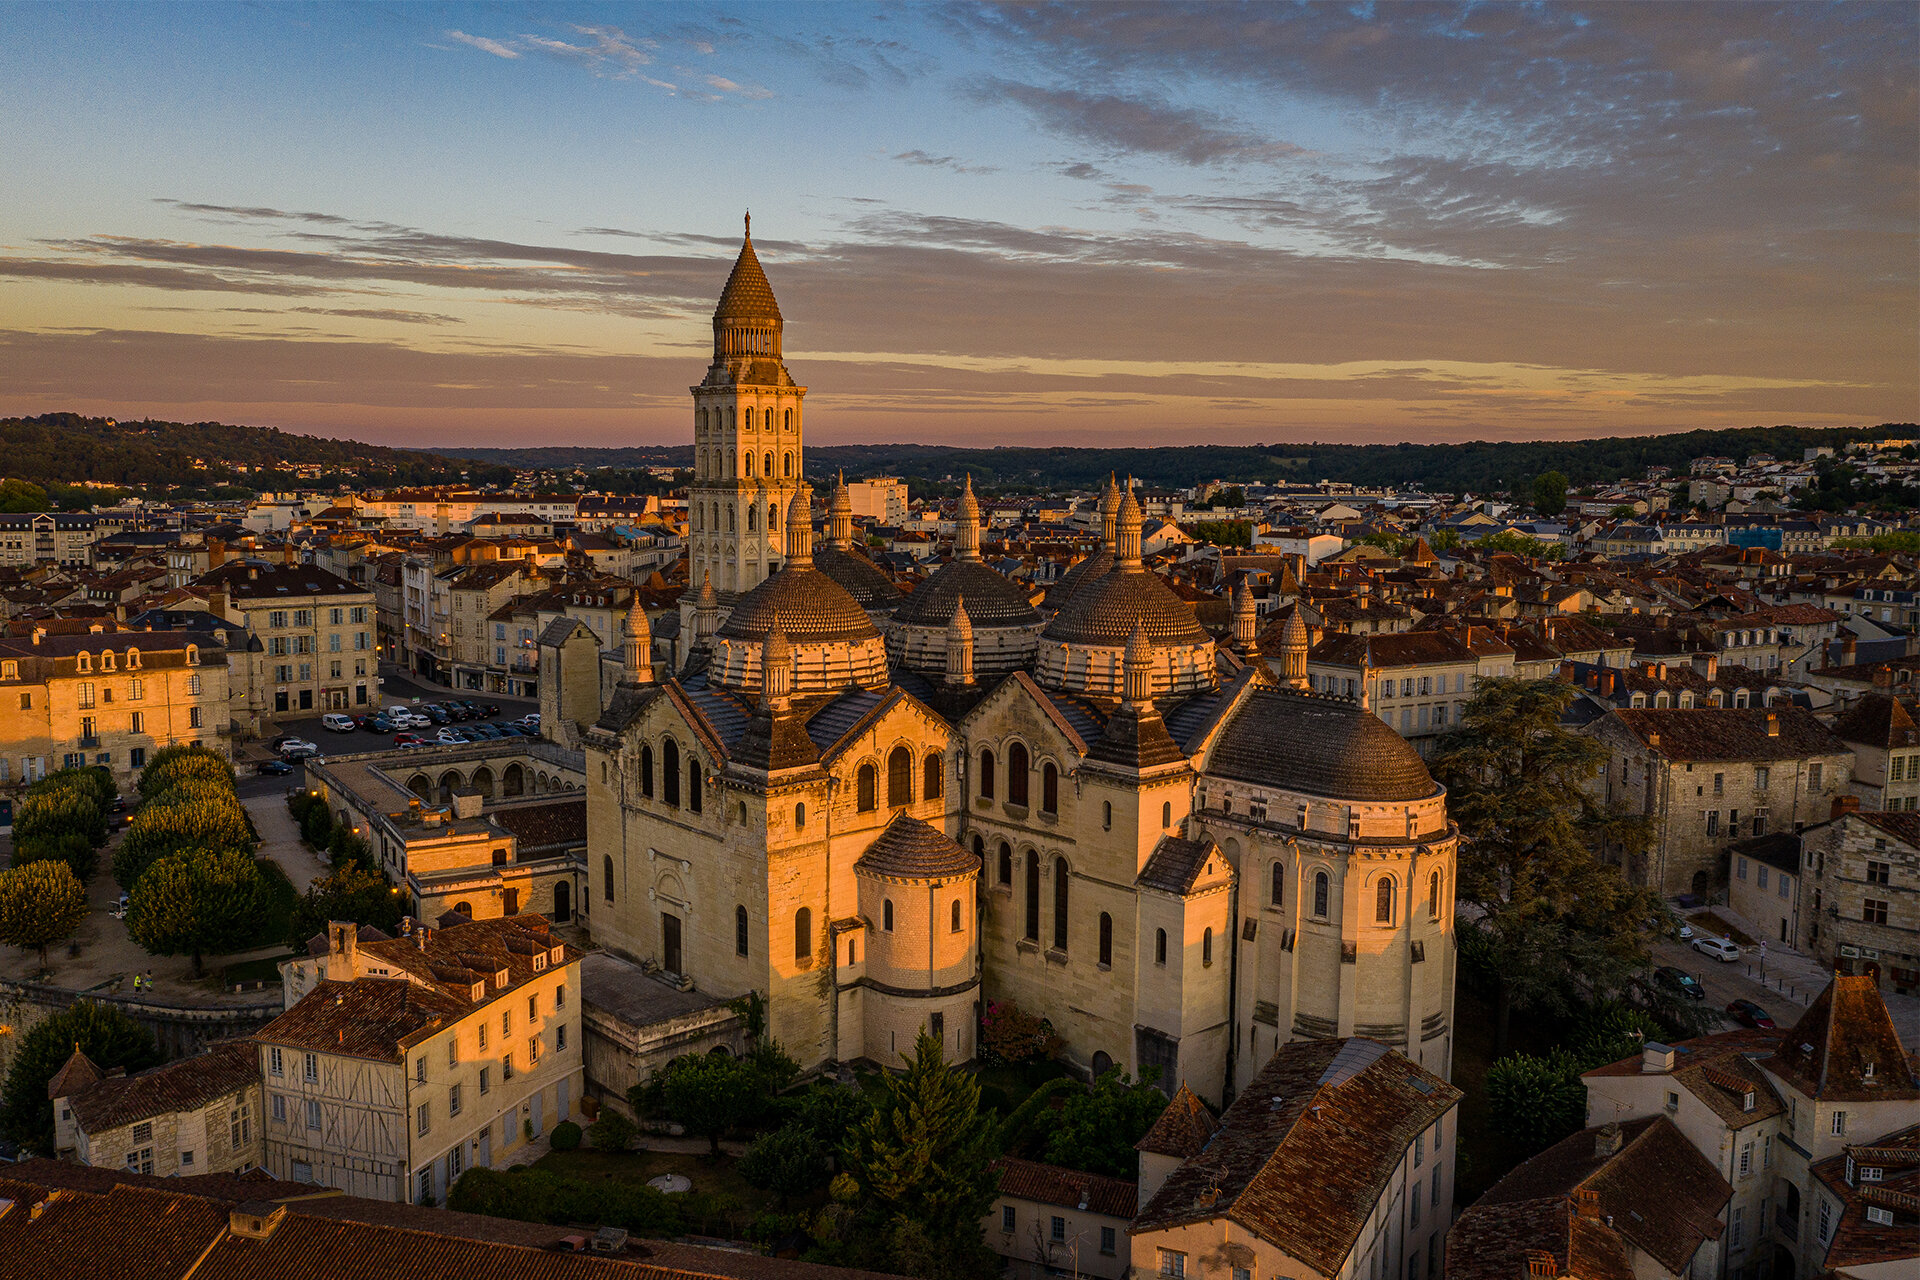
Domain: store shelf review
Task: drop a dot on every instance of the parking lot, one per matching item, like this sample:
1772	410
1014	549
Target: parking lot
399	690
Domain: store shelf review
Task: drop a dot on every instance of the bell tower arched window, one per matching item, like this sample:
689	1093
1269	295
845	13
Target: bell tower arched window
1277	892
670	771
1033	897
930	783
1383	901
1049	788
1017	771
1433	896
899	778
740	931
646	770
986	774
1060	904
1321	894
865	786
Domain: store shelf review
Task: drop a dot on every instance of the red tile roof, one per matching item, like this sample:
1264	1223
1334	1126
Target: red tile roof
185	1085
1845	1048
1068	1188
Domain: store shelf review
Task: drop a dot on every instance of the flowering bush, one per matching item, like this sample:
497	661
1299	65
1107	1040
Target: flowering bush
1008	1035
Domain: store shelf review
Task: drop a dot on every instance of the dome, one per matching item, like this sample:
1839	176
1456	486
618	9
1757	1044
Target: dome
871	589
747	296
909	849
1319	746
993	600
1105	610
1094	566
810	607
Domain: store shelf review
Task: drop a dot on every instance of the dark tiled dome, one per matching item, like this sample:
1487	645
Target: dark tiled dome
911	850
810	607
1105	611
992	599
1321	747
870	588
1091	569
747	296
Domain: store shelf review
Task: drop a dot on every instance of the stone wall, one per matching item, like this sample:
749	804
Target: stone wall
182	1030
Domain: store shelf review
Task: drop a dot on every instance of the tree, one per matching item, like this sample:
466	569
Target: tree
709	1094
185	818
170	765
69	847
1556	927
1539	1100
193	903
1550	493
107	1036
1231	499
1224	533
64	803
921	1163
1097	1128
612	1131
1444	540
18	497
41	902
349	892
789	1162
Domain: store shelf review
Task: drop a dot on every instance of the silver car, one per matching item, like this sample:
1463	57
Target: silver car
1719	948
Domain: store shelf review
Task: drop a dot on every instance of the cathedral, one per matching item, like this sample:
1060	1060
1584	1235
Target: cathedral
883	811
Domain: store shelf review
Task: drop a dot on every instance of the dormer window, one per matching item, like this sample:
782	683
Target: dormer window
133	659
9	670
106	660
1870	1173
500	979
193	655
479	992
1746	1100
539	961
556	954
83	661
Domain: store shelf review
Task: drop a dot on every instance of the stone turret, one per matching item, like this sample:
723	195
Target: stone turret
1294	642
1126	531
966	524
1137	669
636	645
960	645
706	613
800	527
1246	619
840	514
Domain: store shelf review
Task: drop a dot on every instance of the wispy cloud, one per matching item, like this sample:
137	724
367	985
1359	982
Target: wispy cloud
483	44
251	213
919	157
724	85
1140	124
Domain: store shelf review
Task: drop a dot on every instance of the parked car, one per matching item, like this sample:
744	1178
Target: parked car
298	749
1749	1014
380	724
273	768
438	714
1719	948
449	737
274	744
1679	981
531	721
488	709
407	739
334	722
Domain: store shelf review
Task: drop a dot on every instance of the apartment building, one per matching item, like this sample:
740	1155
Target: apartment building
474	594
37	537
1885	742
316	634
192	1116
1417	681
416	1058
1050	1221
1866	903
110	697
1709	776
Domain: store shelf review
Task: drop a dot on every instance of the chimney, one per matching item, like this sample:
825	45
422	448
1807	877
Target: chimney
39	634
1540	1265
1586	1202
1656	1057
1607	1141
343	940
1773	724
1849	646
466	804
1843	805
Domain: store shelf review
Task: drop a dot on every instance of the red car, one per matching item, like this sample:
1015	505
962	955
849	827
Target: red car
1749	1014
408	740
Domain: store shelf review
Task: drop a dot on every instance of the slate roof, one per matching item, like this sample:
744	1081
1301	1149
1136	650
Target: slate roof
1709	734
538	826
1663	1196
909	849
1781	850
1175	864
1067	1188
258	579
1183	1128
1843	1033
1306	1173
1319	746
184	1085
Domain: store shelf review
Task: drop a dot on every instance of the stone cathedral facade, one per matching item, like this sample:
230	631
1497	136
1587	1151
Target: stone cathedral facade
882	811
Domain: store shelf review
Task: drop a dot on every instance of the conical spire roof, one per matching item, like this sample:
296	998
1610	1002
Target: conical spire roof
747	296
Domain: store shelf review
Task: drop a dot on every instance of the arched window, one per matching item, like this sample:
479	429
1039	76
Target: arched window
1017	771
865	784
899	777
1006	864
1166	813
1060	904
729	517
789	419
606	875
753	517
670	770
800	817
693	784
786	465
646	770
956	915
1159	946
853	951
1278	891
732	466
1033	897
740	931
1320	894
1106	815
749	461
803	934
767	471
1206	947
930	778
986	775
1106	940
1433	896
1049	789
1383	901
886	915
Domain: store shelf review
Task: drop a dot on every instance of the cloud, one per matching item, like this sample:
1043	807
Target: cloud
382	313
724	85
1082	170
1141	124
251	212
942	162
483	44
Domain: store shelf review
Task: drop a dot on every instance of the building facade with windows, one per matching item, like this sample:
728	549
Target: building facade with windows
414	1059
1049	1221
316	631
196	1115
1866	877
111	698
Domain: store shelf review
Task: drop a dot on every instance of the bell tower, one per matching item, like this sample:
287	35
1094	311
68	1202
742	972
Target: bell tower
746	438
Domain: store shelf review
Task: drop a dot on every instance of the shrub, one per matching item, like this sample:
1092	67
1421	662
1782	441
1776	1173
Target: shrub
1008	1035
1097	1128
612	1131
107	1036
788	1162
200	814
64	803
566	1136
317	827
534	1195
1539	1100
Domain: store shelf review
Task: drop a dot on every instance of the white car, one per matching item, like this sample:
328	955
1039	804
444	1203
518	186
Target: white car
1719	948
298	749
450	738
337	723
409	720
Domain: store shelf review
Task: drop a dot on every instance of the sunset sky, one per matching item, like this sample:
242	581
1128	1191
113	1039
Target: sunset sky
506	224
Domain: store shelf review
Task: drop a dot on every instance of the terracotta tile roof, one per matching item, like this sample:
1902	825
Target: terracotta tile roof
1731	733
127	1233
78	1073
1305	1172
1068	1188
185	1085
1175	864
1904	827
1661	1194
911	850
1182	1129
1845	1048
1857	1242
539	826
1877	721
367	1018
1496	1241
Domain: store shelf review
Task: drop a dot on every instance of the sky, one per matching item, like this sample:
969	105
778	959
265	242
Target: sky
507	224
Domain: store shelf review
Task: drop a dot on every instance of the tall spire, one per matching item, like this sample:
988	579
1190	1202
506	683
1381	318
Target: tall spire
747	322
1126	530
636	647
1294	642
800	527
1246	618
966	524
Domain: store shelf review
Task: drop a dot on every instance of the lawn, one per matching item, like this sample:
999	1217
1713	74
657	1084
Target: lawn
720	1204
266	969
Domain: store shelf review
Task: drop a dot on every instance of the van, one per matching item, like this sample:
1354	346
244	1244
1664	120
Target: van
337	723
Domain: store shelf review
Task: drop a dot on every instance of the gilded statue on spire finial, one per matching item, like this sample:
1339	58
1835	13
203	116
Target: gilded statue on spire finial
749	224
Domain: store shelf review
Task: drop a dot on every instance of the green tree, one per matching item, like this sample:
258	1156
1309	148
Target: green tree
107	1036
1610	1031
1444	540
182	819
710	1094
1224	533
1555	927
170	765
1622	512
193	903
1098	1126
789	1162
70	847
1231	499
1539	1100
1550	493
62	803
41	902
18	497
348	892
1519	544
921	1163
612	1131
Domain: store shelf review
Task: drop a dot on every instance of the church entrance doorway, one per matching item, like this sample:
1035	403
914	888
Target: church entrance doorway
670	941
